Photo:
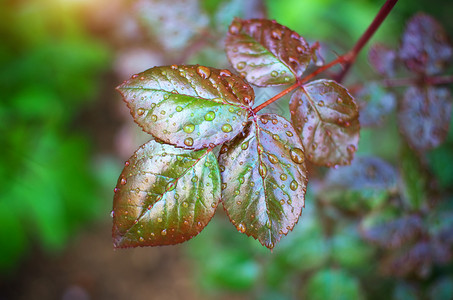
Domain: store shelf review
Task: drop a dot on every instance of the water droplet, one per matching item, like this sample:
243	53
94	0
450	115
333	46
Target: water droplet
282	202
276	34
339	100
141	239
289	133
112	214
269	224
237	192
292	60
295	35
293	186
224	149
273	159
222	168
283	176
276	137
224	186
154	118
351	148
297	155
241	66
227	128
170	186
140	111
178	108
235	27
262	169
194	179
225	73
300	49
242	228
263	120
176	196
123	181
247	99
204	72
188	128
185	204
274	73
188	141
210	115
245	145
186	222
159	220
142	78
164	232
174	67
163	112
321	103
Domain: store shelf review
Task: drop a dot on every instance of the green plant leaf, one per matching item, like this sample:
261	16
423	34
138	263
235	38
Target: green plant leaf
326	117
425	47
424	116
264	179
164	196
266	53
188	106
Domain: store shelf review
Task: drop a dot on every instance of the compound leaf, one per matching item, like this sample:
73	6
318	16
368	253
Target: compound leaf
188	106
326	117
264	179
424	116
164	196
425	47
375	104
266	53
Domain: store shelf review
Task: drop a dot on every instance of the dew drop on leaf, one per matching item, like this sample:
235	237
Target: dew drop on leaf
123	181
321	103
154	118
273	159
178	108
293	185
227	128
185	204
140	111
351	148
274	73
245	145
283	176
188	142
204	72
164	232
240	65
297	155
225	73
262	170
289	133
170	186
242	228
188	128
209	116
276	34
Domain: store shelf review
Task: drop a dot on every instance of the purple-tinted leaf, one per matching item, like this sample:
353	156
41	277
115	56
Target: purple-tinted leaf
389	232
363	173
382	59
326	116
424	116
265	52
425	47
165	195
264	179
188	106
375	103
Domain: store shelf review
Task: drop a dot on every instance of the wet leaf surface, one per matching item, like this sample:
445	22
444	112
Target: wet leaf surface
164	196
424	116
382	59
264	179
425	47
188	106
375	103
326	117
265	52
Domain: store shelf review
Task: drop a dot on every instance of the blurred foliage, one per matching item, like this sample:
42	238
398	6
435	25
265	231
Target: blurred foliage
50	67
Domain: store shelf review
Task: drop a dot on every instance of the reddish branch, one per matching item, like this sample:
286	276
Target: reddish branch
346	60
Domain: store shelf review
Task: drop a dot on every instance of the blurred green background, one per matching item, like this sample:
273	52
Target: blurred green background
64	134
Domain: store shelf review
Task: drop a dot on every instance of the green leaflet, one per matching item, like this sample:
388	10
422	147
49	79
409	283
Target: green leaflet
264	179
266	53
326	116
193	107
165	195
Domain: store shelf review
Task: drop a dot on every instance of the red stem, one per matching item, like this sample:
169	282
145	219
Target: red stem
380	17
347	58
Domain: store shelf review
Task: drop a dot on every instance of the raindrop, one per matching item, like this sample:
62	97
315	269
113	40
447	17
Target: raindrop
194	179
171	186
274	121
269	224
241	228
154	118
185	204
289	133
227	128
276	34
241	65
260	149
321	103
241	180
247	99
297	155
351	148
222	168
295	36
225	73
123	181
178	108
274	73
159	220
112	213
164	232
275	137
262	169
204	72
140	111
283	176
273	159
224	149
141	239
174	67
235	28
188	128
224	186
292	60
282	202
210	115
188	141
293	186
300	49
339	100
245	145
